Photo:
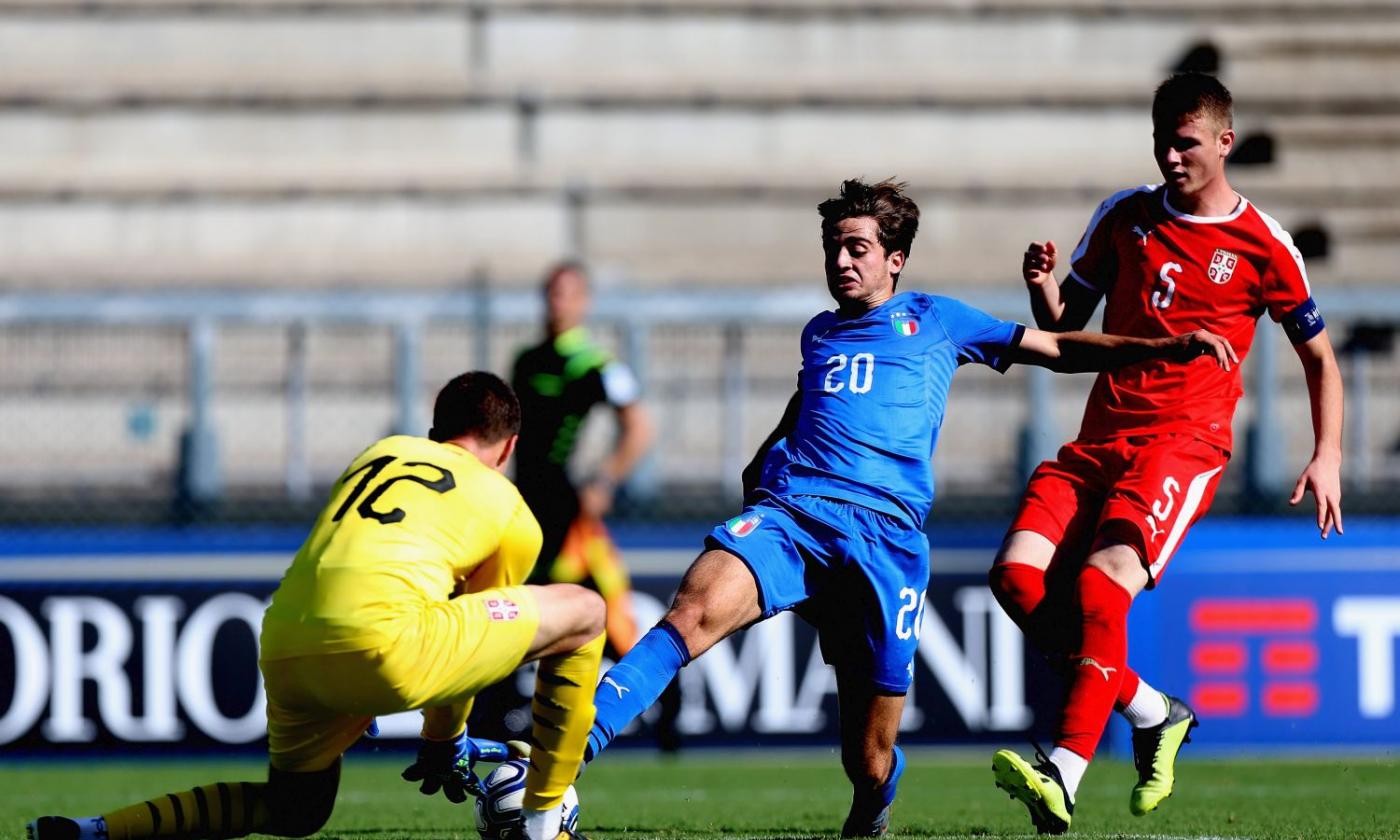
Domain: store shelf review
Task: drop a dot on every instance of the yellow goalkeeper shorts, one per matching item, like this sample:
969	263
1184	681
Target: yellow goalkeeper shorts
318	705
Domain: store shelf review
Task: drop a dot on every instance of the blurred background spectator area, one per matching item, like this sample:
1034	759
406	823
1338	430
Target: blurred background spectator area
239	240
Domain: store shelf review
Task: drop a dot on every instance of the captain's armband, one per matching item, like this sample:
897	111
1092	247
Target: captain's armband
1303	322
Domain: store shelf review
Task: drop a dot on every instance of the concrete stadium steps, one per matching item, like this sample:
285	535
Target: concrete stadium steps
81	58
1323	151
1364	243
1323	38
163	150
1080	8
722	236
279	243
719	51
1213	9
243	152
1227	10
440	53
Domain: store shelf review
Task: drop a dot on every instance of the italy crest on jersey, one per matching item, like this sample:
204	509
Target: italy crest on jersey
1222	266
743	524
905	324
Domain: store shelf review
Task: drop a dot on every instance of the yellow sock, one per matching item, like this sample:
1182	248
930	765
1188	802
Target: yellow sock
563	713
224	809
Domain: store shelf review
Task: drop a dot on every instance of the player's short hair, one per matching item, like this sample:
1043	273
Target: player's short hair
896	215
475	404
1186	94
568	267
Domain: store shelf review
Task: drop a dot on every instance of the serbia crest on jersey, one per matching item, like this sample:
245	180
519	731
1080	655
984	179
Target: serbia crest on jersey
1164	272
874	389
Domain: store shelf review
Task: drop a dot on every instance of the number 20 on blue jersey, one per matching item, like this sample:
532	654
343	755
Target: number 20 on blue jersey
859	370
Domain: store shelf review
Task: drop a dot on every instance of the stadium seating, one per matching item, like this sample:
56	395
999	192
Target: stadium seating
274	144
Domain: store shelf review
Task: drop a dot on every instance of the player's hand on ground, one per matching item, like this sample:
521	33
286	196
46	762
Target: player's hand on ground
1038	264
1188	346
1323	478
445	766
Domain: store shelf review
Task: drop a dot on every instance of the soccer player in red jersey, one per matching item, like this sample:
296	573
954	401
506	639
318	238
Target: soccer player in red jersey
1099	523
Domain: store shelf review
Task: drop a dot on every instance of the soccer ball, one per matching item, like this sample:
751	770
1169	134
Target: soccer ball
498	807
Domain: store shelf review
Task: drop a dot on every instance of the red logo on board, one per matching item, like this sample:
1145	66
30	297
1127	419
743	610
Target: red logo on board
1274	632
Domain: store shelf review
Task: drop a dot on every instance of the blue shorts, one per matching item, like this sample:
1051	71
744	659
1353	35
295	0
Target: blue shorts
858	575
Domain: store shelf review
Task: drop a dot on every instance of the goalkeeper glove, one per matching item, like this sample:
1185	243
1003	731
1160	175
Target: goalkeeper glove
446	765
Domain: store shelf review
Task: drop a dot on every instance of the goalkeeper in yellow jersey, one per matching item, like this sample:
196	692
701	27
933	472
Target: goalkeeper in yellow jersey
407	595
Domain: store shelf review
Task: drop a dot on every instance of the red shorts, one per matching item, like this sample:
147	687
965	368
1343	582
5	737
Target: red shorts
1145	492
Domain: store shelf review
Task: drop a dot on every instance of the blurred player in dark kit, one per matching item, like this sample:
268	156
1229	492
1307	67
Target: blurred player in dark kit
559	382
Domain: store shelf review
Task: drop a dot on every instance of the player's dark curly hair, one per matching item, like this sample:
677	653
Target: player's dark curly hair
895	214
1185	94
476	404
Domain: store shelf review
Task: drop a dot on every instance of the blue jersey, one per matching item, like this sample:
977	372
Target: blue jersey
874	389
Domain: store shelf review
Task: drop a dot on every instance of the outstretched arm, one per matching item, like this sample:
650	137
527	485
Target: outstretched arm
1073	352
1056	307
1323	474
754	471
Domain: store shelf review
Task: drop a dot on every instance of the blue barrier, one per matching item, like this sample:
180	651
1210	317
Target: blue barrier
142	639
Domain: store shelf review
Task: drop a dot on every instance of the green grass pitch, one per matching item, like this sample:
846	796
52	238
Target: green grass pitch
783	794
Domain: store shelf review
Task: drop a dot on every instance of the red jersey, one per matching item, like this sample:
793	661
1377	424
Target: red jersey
1163	273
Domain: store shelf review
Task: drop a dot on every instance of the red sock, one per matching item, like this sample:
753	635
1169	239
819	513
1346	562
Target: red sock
1128	689
1096	671
1020	589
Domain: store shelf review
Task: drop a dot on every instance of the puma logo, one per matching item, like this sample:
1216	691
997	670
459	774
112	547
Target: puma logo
1105	671
1142	233
620	689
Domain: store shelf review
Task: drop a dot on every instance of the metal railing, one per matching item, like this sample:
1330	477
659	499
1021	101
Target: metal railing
636	315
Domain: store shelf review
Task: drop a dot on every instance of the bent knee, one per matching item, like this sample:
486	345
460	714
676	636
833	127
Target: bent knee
593	614
302	823
587	612
1029	548
300	804
1123	564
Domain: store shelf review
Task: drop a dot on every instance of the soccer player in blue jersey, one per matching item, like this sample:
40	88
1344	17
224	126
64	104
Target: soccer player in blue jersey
837	495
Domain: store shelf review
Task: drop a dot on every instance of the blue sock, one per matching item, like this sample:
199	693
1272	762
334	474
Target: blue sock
870	809
887	790
632	685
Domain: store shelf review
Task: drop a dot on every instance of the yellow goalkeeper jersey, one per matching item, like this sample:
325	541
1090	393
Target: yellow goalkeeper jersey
410	523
